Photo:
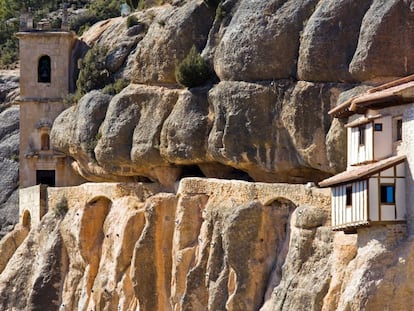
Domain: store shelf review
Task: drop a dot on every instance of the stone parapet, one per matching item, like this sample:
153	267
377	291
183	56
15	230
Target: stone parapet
32	204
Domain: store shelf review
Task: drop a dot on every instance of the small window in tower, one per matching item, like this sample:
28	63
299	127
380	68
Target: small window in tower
45	142
44	70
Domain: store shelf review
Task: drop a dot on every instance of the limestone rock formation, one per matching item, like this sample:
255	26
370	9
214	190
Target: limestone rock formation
386	27
32	276
338	22
172	33
156	132
279	67
130	247
215	245
9	83
269	50
9	167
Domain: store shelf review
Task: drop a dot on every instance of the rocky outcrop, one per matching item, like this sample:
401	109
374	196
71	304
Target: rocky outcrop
279	67
385	29
336	21
263	115
306	272
9	87
215	245
172	33
131	246
33	275
269	50
9	167
157	132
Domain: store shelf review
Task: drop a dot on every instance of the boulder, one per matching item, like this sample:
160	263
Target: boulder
130	143
185	132
76	132
172	33
262	40
304	104
385	45
338	22
9	83
33	283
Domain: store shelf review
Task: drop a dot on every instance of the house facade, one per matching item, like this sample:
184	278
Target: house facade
377	186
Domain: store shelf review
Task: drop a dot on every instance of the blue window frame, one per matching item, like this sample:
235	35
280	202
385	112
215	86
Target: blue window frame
378	127
387	194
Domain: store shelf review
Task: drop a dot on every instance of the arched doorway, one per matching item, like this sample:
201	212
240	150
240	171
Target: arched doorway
26	219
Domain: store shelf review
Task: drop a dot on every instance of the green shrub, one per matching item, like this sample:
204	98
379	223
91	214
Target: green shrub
115	87
193	70
93	73
72	99
82	22
104	9
62	207
56	23
131	21
97	10
9	46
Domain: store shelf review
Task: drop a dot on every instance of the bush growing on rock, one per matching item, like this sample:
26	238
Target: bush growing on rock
93	73
61	207
116	87
96	11
193	70
132	20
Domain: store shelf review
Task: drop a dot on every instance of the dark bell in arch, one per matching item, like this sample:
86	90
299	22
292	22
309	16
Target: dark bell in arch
44	69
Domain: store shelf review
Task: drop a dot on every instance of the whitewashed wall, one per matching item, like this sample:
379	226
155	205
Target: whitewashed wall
383	139
360	153
388	212
352	215
408	149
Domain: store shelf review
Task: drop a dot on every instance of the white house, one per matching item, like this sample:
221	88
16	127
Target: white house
377	186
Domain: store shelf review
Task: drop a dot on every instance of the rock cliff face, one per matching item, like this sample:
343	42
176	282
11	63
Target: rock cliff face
9	150
9	168
215	245
279	67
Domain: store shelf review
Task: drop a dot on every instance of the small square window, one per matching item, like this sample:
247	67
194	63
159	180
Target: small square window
387	194
378	127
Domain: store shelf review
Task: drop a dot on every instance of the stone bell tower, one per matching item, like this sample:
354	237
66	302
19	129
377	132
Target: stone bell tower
45	75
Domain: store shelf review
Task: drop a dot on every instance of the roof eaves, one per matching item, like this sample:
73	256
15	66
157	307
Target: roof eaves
360	172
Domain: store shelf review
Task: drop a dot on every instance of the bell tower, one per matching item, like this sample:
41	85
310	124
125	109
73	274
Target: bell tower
45	80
